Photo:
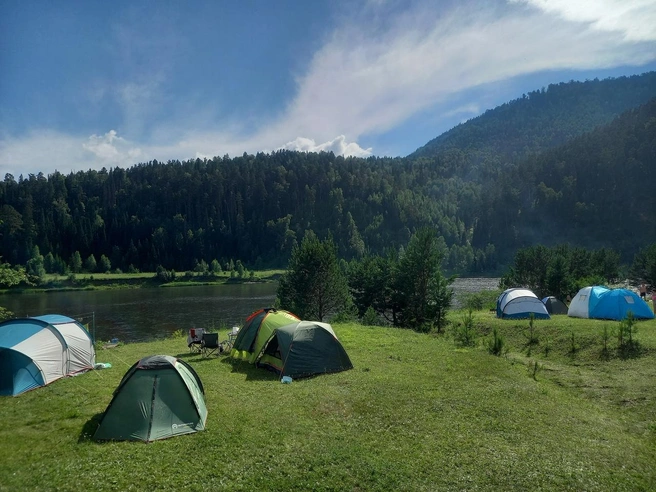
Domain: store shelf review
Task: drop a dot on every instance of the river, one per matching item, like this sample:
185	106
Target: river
133	315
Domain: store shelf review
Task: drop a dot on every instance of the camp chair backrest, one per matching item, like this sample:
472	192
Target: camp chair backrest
210	343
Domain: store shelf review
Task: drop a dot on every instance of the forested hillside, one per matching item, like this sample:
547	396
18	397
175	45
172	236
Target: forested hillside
538	121
596	190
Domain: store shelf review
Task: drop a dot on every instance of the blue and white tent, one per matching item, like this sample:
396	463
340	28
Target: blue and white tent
520	303
37	351
602	303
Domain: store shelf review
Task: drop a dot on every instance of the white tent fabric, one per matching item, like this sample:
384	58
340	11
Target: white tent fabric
46	350
520	303
80	348
37	351
579	307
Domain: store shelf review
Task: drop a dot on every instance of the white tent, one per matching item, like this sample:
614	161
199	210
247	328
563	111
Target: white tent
520	303
37	351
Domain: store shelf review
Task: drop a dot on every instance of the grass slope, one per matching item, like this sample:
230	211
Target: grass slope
417	412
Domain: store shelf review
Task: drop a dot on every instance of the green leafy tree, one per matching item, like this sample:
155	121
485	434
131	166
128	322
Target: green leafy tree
313	287
35	265
91	264
643	267
215	267
105	264
76	262
371	281
422	292
11	276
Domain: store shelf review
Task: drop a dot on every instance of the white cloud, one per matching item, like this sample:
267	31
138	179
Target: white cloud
338	146
376	71
112	150
635	19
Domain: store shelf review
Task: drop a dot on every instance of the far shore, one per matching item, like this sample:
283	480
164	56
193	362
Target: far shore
111	281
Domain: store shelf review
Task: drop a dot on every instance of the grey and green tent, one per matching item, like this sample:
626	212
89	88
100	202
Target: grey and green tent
159	397
303	349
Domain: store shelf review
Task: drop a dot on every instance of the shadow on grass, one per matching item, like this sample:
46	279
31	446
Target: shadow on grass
252	372
89	428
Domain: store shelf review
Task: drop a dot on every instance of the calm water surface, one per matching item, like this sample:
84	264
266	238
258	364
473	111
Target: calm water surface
143	314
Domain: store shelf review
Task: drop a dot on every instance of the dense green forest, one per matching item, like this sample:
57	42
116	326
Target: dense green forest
574	163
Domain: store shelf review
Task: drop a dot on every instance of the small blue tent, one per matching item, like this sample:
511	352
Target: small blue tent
601	303
37	351
520	303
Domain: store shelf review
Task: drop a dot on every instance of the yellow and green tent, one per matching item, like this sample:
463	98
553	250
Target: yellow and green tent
257	329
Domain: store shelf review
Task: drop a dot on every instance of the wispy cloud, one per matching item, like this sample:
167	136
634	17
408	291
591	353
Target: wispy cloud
374	72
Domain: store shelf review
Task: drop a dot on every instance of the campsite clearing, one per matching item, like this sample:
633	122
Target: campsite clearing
417	412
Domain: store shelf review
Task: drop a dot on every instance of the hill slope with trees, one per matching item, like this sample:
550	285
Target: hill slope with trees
595	190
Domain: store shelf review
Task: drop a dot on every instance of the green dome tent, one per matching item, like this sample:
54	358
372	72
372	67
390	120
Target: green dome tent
257	330
159	397
303	349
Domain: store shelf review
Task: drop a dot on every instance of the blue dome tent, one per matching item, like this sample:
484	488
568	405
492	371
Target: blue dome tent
601	303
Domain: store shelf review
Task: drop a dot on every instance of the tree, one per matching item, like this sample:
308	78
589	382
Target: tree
643	267
422	292
90	263
105	264
35	266
215	267
370	282
76	262
313	286
11	276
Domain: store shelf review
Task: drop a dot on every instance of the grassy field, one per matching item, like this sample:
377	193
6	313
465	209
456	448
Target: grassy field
417	412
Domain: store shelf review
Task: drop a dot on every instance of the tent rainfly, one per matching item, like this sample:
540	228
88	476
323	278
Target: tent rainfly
602	303
159	397
554	305
257	329
36	351
520	303
303	349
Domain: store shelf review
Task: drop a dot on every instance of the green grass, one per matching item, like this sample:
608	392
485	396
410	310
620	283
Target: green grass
417	412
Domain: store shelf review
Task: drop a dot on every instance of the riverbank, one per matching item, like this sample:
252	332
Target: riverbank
417	411
113	281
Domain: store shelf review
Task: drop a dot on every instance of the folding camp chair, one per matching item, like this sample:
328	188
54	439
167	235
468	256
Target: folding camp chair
194	338
210	344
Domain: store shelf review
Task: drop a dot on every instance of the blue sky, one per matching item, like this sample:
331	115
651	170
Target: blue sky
91	84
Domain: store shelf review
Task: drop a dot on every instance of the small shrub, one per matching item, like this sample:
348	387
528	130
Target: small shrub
534	367
370	318
605	338
547	347
497	345
626	333
478	301
573	347
531	334
464	332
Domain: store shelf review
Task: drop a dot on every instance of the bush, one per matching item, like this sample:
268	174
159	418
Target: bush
464	333
478	301
370	318
497	345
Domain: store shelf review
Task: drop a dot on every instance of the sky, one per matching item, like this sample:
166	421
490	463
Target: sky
87	84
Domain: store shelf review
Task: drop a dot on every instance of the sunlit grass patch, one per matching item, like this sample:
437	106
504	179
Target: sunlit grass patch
417	412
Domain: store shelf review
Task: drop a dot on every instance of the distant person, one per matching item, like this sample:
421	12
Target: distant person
643	292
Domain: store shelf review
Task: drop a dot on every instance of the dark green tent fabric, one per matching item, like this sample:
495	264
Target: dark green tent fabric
304	349
159	397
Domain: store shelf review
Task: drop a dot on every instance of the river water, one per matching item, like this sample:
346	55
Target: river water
143	314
